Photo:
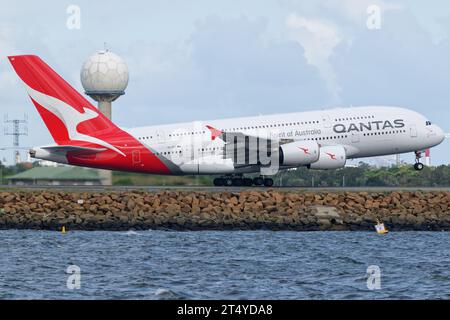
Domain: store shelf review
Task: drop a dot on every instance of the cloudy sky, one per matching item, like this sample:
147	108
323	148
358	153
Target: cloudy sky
207	59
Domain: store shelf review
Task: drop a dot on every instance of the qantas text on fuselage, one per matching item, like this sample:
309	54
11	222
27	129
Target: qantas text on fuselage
368	126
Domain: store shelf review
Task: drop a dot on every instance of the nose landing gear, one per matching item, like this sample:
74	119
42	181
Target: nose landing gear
418	165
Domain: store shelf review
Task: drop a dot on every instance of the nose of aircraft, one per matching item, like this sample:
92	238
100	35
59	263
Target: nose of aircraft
439	134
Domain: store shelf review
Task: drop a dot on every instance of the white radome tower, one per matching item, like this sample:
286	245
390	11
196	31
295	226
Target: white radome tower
104	77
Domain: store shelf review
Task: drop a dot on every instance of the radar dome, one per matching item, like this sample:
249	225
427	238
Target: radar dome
104	73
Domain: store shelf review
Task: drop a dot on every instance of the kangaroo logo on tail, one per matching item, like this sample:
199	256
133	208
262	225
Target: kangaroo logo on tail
70	117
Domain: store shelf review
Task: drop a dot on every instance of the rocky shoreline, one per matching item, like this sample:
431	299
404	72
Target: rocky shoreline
221	210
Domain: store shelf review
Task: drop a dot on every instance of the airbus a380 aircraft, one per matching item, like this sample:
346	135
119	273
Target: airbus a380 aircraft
228	148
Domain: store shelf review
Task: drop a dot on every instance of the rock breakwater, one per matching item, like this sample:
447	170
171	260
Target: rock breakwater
223	210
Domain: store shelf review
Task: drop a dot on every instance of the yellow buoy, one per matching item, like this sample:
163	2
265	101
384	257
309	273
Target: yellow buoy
63	229
380	228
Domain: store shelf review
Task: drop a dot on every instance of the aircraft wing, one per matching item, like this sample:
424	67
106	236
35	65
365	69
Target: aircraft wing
243	148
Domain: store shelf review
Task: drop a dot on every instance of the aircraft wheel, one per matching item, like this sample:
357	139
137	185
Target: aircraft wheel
268	182
258	181
418	166
218	182
228	182
237	182
248	182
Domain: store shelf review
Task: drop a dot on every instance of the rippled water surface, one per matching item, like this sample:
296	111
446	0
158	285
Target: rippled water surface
224	265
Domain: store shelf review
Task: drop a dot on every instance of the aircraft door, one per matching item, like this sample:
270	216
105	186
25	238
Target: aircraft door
355	137
189	152
136	157
413	131
160	136
326	120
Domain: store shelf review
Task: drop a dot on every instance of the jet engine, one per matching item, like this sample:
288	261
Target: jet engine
299	153
331	157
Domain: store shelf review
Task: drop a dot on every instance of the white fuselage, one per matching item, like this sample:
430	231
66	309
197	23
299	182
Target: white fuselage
362	131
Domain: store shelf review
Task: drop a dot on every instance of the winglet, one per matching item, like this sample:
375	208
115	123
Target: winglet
214	132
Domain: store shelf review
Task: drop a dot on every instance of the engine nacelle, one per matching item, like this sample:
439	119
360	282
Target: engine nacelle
331	157
299	153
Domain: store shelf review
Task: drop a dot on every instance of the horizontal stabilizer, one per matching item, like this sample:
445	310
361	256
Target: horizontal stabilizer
14	148
73	149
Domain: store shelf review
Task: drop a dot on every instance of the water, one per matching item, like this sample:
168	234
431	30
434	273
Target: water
224	265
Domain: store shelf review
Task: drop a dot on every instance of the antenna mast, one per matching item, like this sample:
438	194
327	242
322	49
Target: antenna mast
16	131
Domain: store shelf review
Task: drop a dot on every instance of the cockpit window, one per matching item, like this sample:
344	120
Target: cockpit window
428	123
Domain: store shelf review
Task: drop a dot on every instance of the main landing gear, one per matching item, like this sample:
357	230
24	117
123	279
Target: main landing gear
239	181
418	165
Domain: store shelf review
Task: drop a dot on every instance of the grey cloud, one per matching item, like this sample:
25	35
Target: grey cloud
397	65
228	68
